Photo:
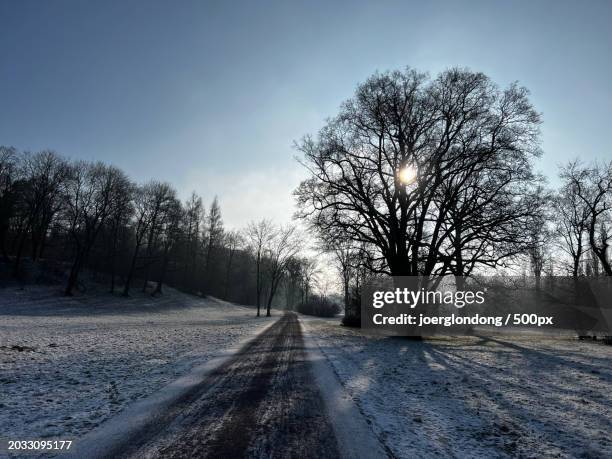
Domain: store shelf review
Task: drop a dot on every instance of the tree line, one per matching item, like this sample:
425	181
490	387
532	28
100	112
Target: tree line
414	176
77	216
421	176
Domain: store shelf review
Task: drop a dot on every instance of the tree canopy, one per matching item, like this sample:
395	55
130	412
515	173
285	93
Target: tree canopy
469	146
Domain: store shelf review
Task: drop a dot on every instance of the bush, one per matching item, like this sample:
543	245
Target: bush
318	306
352	321
352	316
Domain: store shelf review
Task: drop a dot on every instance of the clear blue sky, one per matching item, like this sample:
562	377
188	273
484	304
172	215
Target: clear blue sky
211	95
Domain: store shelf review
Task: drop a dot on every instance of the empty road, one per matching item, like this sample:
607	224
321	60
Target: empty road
262	403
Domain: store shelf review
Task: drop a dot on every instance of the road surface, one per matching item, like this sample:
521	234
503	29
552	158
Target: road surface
262	403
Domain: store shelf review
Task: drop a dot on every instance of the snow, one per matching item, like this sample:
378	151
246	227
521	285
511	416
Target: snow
69	364
476	396
353	434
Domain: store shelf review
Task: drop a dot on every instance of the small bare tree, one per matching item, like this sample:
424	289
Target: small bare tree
232	242
310	272
572	218
346	261
259	234
593	185
539	235
213	242
281	248
192	229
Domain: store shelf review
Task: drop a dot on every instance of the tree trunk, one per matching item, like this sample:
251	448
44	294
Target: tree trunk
3	244
18	256
400	265
112	258
37	237
273	286
162	275
576	266
207	283
128	281
258	285
227	274
346	296
81	256
600	252
43	246
146	272
73	277
269	305
112	286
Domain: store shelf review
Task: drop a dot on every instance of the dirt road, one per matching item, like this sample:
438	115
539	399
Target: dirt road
261	403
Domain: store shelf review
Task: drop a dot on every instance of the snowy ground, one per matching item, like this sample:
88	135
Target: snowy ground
67	365
476	397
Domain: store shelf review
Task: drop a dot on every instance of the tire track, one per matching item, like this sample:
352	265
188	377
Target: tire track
262	403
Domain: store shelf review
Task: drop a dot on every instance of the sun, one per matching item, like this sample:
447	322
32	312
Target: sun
407	175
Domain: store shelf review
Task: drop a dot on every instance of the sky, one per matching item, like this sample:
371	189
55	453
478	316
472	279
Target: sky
211	96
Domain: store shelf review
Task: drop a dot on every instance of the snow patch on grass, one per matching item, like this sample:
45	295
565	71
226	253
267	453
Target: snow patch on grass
68	364
477	396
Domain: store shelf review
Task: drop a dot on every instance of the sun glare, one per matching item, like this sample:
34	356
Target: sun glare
408	175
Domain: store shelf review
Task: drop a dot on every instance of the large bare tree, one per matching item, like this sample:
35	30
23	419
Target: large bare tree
169	235
43	176
162	199
90	190
121	211
9	174
435	174
150	201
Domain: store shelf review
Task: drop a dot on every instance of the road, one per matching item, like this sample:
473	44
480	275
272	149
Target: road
261	403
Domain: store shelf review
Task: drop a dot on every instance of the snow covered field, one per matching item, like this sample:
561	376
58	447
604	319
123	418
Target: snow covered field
68	364
476	397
